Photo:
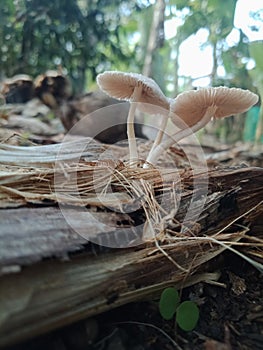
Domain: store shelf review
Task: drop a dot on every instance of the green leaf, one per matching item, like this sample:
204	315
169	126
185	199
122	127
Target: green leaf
168	303
187	315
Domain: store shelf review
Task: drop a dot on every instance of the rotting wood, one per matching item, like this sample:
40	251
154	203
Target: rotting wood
28	235
50	294
73	282
31	233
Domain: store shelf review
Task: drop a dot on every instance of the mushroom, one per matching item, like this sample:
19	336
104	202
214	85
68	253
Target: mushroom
133	87
196	108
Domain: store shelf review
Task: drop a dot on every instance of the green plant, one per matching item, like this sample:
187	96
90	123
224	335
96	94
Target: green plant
187	315
168	303
187	312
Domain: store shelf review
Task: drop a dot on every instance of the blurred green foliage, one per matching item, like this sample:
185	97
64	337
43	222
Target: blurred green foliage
86	37
79	35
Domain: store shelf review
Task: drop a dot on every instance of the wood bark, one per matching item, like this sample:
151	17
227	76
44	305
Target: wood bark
52	277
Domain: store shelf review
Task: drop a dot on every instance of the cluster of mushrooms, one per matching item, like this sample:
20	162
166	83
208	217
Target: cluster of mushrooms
194	108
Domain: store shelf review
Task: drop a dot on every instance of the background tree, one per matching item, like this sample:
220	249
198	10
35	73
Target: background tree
79	35
86	37
256	51
156	37
217	18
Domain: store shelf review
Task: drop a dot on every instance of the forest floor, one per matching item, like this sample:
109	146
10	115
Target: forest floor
231	309
231	317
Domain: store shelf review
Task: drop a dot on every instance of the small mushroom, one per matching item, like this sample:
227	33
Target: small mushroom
196	108
133	87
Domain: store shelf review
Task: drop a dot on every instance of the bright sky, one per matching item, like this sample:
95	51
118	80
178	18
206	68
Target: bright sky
195	58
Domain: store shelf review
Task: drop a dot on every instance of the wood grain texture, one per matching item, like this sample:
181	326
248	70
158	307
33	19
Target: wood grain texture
51	277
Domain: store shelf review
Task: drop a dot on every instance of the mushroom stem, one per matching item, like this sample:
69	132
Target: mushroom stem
159	136
130	123
178	136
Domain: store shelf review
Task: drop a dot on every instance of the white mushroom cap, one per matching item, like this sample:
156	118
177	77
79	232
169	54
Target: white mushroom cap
196	108
121	86
137	88
192	105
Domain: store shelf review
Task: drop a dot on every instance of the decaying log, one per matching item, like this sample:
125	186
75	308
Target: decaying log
30	234
51	294
51	276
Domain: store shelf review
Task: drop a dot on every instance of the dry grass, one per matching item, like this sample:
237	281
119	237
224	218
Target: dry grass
37	174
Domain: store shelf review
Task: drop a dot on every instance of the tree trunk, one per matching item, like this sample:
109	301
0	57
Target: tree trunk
214	69
154	37
178	42
259	130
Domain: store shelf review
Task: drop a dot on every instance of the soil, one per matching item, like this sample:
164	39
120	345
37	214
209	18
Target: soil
231	317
